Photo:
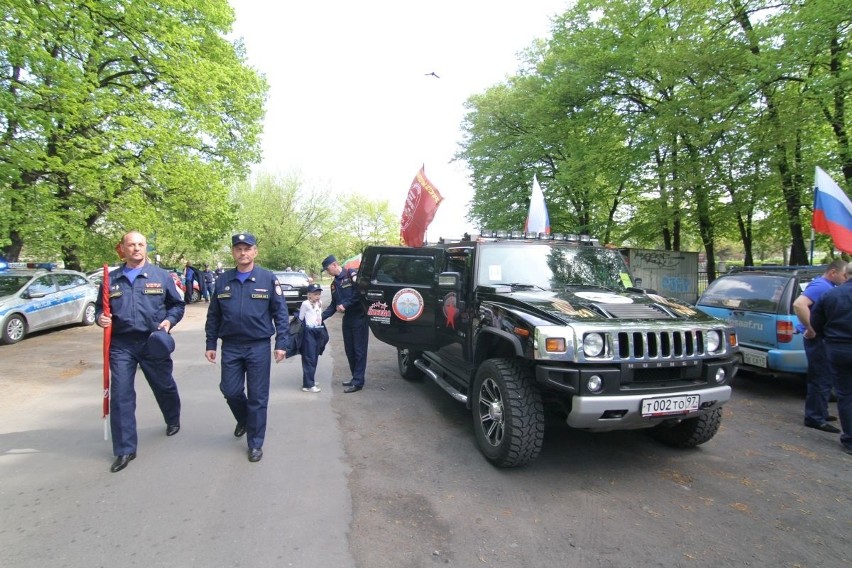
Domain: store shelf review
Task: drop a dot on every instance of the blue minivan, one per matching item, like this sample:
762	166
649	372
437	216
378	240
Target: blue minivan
758	303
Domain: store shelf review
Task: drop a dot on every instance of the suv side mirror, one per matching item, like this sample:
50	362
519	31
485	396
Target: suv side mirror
449	281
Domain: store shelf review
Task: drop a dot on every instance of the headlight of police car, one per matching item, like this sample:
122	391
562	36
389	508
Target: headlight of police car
593	344
714	339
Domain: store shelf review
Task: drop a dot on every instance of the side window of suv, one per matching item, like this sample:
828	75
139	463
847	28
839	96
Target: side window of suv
406	270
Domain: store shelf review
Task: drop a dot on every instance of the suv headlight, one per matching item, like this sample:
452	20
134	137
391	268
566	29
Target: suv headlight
593	345
714	339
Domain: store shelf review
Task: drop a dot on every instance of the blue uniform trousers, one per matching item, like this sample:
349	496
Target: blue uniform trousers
356	334
840	358
309	351
207	290
820	380
245	369
125	354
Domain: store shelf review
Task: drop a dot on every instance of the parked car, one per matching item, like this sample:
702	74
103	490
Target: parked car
294	287
758	303
178	278
507	324
36	298
97	276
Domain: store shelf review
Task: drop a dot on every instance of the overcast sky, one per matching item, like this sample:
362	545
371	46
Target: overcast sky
351	107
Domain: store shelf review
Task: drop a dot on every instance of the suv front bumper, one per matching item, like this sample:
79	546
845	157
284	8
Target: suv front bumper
623	412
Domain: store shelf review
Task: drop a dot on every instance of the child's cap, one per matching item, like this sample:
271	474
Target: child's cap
314	288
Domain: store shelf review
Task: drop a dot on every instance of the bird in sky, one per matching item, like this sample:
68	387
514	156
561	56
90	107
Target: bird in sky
433	74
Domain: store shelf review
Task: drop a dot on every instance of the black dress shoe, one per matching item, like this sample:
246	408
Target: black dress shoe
825	427
121	462
254	454
240	430
172	429
347	383
831	419
353	388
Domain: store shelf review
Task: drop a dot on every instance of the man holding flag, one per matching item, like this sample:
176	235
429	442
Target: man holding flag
145	303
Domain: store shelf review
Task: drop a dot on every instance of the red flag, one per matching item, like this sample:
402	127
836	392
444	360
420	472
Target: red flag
420	207
107	340
353	262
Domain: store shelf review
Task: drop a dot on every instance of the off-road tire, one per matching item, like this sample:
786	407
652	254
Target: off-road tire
689	433
89	314
14	330
405	360
508	416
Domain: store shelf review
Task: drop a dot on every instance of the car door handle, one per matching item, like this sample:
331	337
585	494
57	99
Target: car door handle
375	295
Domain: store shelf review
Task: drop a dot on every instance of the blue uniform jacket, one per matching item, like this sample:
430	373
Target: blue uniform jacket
141	306
343	293
244	312
830	315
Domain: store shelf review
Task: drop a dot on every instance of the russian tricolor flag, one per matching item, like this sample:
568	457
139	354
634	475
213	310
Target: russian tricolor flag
538	220
832	212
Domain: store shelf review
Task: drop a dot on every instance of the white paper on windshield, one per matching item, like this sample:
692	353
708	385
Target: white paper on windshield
495	272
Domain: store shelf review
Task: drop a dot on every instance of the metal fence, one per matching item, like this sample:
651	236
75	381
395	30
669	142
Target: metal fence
702	282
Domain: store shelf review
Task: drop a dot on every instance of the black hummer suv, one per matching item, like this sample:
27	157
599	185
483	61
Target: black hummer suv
506	325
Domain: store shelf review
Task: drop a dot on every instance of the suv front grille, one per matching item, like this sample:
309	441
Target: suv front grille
655	345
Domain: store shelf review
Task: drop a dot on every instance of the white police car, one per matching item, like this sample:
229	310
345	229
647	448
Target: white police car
35	297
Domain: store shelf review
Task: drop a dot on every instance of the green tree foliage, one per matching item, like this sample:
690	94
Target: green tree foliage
663	124
287	220
119	115
365	222
298	227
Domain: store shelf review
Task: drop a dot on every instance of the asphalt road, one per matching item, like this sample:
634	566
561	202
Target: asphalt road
391	477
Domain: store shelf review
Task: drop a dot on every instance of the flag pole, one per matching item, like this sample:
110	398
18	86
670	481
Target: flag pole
813	212
107	341
812	246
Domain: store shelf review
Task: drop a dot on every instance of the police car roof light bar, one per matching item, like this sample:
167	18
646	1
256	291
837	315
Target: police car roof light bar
42	265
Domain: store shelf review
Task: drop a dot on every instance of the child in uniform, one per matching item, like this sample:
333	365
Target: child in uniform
314	336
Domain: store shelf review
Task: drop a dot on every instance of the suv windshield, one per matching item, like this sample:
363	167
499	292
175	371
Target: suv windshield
292	278
552	267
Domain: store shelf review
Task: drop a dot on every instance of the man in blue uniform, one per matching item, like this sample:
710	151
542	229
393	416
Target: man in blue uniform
190	276
830	319
143	298
820	377
246	302
356	333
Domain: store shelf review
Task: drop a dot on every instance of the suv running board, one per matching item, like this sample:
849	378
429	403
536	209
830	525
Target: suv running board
441	382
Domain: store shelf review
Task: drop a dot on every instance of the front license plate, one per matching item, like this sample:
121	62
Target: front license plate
670	405
754	359
291	293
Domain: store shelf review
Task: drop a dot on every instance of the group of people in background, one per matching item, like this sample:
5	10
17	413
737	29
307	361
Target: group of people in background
247	309
204	277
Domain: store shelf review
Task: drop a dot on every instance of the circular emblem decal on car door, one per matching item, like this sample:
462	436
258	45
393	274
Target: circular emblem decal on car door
407	304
